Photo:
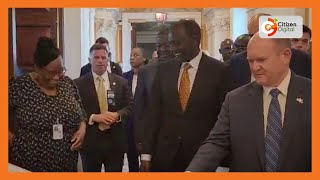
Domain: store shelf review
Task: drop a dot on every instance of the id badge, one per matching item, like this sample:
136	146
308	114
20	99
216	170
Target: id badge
111	98
57	131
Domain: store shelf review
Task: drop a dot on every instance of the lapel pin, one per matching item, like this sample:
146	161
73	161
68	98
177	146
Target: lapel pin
113	67
114	83
300	100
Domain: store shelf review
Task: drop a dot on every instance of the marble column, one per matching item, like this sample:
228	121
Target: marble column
218	29
106	26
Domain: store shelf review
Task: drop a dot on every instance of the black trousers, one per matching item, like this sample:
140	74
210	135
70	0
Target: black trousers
104	151
180	162
132	153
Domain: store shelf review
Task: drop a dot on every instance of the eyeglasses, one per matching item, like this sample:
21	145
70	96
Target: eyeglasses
55	73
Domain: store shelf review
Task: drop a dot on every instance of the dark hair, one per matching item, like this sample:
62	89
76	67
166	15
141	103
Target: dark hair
97	46
102	40
46	52
191	27
306	29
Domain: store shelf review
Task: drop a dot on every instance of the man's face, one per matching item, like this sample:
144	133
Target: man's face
163	46
267	62
226	52
183	44
136	58
98	59
302	44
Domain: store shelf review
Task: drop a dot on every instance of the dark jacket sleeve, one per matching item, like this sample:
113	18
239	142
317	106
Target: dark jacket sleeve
216	147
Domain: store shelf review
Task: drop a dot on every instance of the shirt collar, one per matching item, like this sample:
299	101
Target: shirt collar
104	76
283	87
194	62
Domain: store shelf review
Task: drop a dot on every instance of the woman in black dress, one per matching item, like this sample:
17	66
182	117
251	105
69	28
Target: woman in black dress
49	118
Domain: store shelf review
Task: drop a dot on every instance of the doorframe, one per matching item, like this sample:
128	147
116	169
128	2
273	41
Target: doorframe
127	18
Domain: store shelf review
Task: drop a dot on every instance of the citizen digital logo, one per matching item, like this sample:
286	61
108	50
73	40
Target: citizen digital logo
280	26
286	26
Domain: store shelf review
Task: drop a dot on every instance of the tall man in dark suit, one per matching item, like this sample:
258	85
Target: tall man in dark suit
146	76
107	101
265	125
137	60
113	67
186	99
300	62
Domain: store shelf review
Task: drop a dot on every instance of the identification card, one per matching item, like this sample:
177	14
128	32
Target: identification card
57	131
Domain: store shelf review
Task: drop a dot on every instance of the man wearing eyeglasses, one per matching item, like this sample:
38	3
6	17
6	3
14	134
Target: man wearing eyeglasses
302	43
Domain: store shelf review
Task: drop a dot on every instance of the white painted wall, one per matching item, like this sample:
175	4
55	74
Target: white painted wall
239	22
72	41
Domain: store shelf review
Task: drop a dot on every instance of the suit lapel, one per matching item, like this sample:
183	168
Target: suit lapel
92	93
113	83
292	115
255	101
198	81
173	82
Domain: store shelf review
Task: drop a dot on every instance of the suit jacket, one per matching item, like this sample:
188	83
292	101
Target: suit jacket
300	63
168	128
115	69
143	93
240	130
129	77
96	139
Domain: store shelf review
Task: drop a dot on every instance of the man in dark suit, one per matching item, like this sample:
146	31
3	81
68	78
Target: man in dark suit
300	62
146	76
184	104
265	125
107	101
113	67
137	60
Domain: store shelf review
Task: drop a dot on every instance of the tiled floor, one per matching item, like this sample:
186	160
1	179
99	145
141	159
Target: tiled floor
124	169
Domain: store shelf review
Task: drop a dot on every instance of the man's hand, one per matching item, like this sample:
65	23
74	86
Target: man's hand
145	166
102	118
112	117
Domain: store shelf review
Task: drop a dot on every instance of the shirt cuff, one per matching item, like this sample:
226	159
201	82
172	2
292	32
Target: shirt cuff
145	157
91	119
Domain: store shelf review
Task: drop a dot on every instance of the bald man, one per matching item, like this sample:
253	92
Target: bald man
272	130
300	62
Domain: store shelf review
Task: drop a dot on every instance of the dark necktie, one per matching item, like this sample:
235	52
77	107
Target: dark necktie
273	133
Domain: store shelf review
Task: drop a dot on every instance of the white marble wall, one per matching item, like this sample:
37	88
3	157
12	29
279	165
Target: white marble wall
106	26
217	24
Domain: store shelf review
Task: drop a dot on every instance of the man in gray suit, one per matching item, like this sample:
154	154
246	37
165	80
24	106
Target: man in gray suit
265	125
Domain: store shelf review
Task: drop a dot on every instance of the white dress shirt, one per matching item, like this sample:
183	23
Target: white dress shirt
192	75
134	84
106	84
282	97
194	63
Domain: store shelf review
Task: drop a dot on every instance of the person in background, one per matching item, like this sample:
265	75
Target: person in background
50	119
112	66
302	43
137	60
240	44
225	49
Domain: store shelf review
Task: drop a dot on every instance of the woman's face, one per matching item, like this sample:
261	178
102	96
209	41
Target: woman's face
52	73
